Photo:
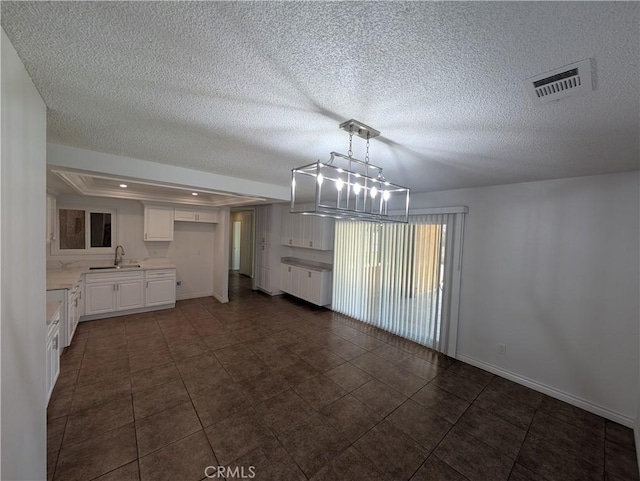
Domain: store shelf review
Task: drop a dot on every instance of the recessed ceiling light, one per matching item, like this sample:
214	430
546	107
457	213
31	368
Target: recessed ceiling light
124	186
194	193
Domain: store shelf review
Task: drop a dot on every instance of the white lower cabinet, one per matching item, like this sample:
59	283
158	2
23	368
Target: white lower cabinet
263	279
100	297
113	292
309	284
160	287
53	355
73	311
129	294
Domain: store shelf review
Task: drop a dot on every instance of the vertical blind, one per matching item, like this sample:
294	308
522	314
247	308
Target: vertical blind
396	276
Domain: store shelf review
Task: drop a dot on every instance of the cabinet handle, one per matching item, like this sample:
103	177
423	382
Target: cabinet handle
308	274
147	284
310	243
117	287
114	287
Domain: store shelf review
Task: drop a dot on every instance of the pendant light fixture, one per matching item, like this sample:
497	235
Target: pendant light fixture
348	188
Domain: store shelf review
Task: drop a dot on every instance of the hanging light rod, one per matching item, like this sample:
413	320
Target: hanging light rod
348	188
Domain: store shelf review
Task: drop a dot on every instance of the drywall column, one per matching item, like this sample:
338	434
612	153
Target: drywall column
22	277
221	256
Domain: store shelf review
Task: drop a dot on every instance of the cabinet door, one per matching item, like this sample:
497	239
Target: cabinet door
327	233
72	317
158	223
285	278
186	215
307	230
130	294
100	298
287	238
48	381
52	362
261	237
207	216
161	291
306	288
297	229
262	264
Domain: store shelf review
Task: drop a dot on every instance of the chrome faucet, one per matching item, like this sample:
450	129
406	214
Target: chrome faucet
118	260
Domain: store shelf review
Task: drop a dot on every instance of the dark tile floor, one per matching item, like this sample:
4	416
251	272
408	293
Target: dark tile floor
297	392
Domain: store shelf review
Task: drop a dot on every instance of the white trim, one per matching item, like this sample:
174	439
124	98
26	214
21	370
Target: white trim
458	209
636	435
139	310
194	295
222	299
553	392
455	285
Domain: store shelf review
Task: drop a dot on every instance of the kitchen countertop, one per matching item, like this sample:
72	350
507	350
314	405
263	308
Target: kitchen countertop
67	277
311	265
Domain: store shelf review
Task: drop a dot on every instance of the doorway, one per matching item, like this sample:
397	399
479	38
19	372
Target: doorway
235	245
241	243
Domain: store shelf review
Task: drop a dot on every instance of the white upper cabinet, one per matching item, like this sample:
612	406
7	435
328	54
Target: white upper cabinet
158	223
184	215
193	215
309	231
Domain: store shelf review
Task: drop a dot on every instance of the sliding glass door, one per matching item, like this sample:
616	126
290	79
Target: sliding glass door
397	276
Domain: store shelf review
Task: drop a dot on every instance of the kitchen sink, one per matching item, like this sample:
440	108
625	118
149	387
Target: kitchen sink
129	266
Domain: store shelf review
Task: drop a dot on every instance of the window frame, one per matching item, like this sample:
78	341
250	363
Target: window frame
88	250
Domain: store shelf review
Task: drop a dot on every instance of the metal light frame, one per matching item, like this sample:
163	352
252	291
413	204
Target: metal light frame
354	190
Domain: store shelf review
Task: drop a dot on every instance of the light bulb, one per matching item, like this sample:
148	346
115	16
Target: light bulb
356	188
386	195
320	179
339	184
374	192
194	193
124	186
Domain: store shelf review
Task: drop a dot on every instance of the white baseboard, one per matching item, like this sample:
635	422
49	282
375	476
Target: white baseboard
223	299
636	433
194	295
140	310
553	392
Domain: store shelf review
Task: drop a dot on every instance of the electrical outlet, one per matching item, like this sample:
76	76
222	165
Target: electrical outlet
502	349
178	283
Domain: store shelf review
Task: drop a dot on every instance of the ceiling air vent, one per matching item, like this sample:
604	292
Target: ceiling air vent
574	79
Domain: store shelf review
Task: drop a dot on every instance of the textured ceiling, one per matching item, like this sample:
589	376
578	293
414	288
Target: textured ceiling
252	90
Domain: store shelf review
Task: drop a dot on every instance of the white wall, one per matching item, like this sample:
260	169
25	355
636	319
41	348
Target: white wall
22	276
221	256
551	270
192	248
